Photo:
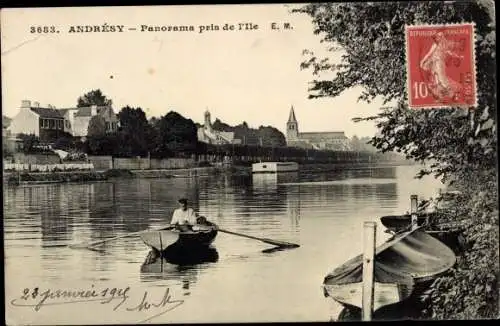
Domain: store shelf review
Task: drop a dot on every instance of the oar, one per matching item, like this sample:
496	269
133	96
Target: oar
282	244
95	243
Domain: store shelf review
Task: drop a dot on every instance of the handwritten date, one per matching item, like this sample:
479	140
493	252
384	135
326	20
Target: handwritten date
37	298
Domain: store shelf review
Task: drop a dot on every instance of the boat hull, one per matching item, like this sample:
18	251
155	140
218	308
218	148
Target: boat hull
452	237
163	239
408	261
384	293
398	223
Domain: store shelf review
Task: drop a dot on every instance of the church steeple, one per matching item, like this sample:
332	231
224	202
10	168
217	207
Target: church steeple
292	118
208	123
292	126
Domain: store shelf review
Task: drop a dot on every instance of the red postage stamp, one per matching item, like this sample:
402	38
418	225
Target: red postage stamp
441	66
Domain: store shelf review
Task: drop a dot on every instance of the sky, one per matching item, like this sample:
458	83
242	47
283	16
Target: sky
238	75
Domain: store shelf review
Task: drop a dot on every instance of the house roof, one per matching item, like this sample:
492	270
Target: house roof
86	111
63	111
47	113
328	134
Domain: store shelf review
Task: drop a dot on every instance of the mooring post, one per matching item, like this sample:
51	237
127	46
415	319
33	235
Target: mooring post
369	233
413	211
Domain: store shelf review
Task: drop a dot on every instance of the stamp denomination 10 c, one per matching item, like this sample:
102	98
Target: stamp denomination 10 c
441	67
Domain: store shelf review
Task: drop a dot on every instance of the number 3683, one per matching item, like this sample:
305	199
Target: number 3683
43	29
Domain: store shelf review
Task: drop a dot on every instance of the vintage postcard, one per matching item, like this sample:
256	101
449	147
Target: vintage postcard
250	163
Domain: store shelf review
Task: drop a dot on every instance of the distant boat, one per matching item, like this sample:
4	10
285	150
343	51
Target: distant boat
203	236
402	264
274	167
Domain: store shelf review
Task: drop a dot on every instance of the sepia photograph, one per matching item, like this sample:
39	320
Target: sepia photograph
306	162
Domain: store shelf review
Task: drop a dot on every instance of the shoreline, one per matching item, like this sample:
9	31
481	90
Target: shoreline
27	177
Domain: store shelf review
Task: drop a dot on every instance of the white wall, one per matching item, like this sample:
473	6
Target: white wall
80	126
70	116
26	122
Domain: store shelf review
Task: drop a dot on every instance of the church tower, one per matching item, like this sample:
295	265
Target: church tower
292	127
207	124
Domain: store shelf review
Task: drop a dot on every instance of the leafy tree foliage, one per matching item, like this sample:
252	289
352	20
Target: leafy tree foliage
97	126
460	143
271	136
264	136
30	141
136	134
221	126
94	97
175	134
63	143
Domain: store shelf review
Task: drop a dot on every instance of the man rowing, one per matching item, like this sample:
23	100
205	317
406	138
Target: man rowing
184	217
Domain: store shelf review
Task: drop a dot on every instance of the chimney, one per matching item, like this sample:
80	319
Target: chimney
36	104
25	104
93	109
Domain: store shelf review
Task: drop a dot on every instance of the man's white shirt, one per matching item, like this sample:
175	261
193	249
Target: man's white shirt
184	217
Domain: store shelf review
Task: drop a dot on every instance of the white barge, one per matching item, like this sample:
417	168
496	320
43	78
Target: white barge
274	167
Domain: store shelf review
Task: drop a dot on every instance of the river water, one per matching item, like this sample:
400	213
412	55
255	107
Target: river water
234	282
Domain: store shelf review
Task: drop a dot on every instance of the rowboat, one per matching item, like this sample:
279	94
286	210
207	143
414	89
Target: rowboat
398	223
201	236
448	233
402	264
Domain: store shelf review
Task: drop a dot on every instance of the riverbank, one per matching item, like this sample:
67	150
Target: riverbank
21	178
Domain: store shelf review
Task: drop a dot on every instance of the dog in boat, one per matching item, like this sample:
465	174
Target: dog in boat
200	220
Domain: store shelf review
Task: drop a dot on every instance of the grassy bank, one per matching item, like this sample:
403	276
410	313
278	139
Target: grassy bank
471	289
53	177
15	178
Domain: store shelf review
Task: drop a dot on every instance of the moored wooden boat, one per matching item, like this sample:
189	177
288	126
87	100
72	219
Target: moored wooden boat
450	233
398	223
402	264
201	236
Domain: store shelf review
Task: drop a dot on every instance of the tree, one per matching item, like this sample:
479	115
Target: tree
271	136
30	141
97	127
175	134
371	37
63	143
221	126
136	134
461	144
94	97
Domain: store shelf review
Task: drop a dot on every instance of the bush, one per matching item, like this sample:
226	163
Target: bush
119	173
204	164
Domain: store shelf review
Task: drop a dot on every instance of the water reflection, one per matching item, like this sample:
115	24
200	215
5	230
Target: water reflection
267	182
320	211
178	265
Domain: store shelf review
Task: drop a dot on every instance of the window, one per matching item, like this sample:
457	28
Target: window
44	123
52	124
108	126
66	124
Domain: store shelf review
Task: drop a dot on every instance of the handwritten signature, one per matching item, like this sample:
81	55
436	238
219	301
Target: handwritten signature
37	298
